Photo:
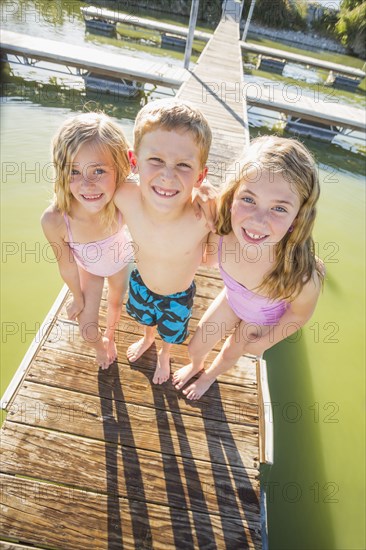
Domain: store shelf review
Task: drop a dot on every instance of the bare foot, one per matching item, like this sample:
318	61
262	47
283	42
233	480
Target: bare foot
182	375
199	387
101	357
112	350
162	371
137	349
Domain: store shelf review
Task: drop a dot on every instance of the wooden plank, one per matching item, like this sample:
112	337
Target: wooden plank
128	472
229	403
65	518
222	50
135	425
91	59
15	546
65	336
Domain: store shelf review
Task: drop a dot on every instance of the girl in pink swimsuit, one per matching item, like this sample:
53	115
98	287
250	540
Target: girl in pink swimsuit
265	254
87	234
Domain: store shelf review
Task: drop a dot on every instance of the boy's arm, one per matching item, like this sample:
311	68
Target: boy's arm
124	195
204	201
51	222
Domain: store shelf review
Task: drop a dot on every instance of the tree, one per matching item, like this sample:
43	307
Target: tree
283	14
351	26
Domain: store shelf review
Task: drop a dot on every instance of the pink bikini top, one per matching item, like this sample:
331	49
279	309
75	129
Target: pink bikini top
248	305
106	257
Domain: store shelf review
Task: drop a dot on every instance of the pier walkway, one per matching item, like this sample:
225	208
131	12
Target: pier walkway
134	20
106	459
322	107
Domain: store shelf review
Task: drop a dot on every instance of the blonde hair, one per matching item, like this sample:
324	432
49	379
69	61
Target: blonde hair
87	128
295	260
171	114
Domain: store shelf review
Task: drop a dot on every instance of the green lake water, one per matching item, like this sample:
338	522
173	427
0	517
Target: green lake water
316	487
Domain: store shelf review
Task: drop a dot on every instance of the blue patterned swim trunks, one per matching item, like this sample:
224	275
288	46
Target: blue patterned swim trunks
169	313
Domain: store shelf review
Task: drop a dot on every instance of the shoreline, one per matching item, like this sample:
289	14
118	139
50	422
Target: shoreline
300	38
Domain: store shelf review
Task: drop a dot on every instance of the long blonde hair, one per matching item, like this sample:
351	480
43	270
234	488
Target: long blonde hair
295	261
95	129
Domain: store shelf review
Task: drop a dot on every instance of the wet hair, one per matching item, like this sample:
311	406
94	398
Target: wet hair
295	261
174	115
97	130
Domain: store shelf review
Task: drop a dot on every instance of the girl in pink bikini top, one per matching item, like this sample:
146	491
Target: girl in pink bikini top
264	243
89	238
248	305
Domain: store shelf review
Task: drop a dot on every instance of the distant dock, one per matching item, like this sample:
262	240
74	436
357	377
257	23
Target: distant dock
178	30
322	110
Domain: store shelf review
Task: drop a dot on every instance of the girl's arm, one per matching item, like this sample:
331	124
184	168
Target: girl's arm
53	227
210	255
298	313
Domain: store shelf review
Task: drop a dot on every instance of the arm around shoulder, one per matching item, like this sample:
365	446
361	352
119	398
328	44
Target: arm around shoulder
126	194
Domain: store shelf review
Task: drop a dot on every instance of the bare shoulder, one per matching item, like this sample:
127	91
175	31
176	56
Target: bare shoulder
53	223
51	218
306	301
126	194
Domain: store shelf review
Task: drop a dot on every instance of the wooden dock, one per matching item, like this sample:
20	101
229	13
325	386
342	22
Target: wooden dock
321	108
33	49
303	59
107	460
136	21
133	20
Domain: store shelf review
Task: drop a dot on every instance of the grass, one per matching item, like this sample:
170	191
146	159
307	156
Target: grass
334	57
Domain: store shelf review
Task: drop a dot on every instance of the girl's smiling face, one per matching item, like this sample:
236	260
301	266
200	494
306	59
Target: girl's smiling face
93	177
264	208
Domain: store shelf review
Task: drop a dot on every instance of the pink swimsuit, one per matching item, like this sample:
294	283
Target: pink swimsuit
248	305
106	257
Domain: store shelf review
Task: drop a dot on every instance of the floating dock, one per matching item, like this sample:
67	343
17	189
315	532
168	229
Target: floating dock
30	49
108	460
178	30
291	100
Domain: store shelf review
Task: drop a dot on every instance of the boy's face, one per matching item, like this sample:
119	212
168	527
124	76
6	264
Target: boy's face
169	167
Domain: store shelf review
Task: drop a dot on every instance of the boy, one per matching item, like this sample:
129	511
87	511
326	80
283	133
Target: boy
171	144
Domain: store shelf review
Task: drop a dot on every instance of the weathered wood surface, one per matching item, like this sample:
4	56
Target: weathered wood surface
117	437
131	472
15	546
92	59
68	518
